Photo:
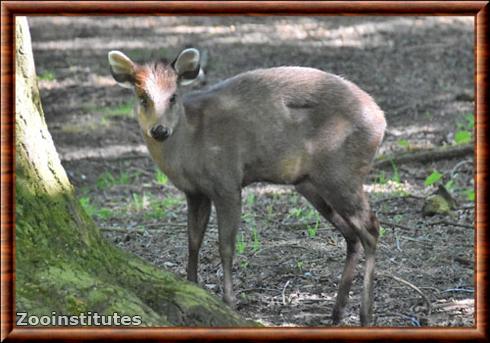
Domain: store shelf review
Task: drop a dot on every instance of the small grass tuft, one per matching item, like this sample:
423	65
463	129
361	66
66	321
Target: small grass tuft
404	143
107	180
139	202
462	137
46	75
255	240
160	178
93	210
241	245
381	178
122	110
470	194
382	231
396	174
464	131
250	200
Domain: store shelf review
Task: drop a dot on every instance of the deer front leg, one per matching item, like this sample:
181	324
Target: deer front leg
198	210
228	212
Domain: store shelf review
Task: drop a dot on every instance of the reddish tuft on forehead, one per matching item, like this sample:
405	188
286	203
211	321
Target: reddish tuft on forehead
155	77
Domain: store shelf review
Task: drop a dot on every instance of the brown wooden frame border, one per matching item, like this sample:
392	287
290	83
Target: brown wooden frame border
10	9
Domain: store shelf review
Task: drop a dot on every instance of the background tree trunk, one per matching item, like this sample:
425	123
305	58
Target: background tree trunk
62	262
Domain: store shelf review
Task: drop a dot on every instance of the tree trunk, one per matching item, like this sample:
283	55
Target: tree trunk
63	264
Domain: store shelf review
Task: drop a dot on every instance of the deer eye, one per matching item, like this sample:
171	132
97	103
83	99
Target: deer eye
144	101
173	99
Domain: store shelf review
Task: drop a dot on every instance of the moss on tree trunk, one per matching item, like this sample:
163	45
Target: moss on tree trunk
63	264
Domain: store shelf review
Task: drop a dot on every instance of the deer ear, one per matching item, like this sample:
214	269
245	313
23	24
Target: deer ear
122	68
187	66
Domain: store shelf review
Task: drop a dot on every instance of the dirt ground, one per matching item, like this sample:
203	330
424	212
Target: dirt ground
288	264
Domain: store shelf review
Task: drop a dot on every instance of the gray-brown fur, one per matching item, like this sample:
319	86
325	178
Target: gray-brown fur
285	125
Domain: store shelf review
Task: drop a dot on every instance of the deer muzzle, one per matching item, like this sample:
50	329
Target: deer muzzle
160	133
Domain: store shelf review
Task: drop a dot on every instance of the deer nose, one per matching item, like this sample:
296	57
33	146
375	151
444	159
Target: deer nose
160	133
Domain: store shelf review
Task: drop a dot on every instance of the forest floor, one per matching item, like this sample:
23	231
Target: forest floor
288	260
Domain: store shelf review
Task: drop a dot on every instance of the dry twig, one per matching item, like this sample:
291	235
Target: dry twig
446	222
415	288
407	196
429	155
408	228
284	292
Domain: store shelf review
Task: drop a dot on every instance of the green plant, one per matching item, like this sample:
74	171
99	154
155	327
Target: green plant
309	215
139	202
470	194
428	115
311	230
250	200
157	210
270	210
94	211
169	202
433	178
248	218
83	191
46	75
294	198
255	240
404	143
396	175
104	121
299	265
123	179
104	213
450	185
87	206
462	137
400	192
381	178
312	214
122	110
241	245
467	122
464	132
382	231
296	212
106	179
397	218
470	120
160	177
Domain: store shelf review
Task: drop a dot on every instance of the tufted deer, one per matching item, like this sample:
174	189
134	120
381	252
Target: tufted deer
286	125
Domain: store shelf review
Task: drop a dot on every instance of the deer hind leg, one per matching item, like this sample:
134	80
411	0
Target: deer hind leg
353	246
369	240
352	205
